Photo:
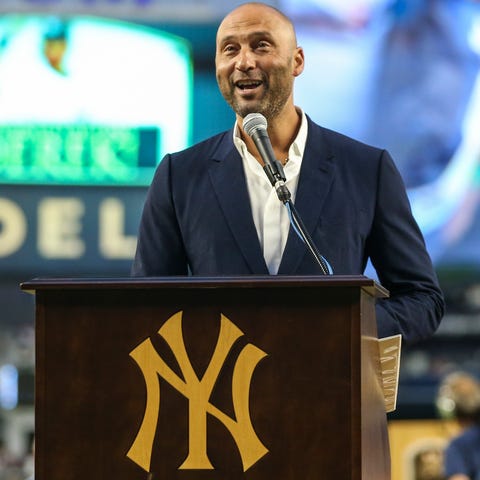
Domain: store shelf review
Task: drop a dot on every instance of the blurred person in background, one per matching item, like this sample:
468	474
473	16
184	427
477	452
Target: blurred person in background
428	464
459	398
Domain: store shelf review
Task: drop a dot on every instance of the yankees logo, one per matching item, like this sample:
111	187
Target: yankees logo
198	391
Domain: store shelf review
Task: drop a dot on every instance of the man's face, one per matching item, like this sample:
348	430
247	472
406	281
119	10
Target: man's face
257	60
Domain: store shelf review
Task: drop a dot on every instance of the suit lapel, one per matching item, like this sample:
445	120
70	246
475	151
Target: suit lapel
316	176
228	181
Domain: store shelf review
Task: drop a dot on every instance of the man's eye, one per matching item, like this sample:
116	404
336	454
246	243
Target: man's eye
229	49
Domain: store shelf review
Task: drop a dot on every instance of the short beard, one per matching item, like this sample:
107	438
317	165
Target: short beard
268	109
270	106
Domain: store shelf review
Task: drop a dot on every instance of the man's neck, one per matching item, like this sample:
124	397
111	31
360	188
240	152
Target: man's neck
282	131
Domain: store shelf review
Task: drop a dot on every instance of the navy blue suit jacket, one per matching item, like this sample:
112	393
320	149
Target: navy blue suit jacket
197	219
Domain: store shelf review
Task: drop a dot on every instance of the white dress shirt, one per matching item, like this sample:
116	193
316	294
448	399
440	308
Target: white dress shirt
269	213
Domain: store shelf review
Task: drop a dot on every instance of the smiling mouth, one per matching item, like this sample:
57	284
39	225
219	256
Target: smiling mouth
246	85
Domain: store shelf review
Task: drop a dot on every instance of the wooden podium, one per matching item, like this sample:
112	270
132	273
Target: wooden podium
208	378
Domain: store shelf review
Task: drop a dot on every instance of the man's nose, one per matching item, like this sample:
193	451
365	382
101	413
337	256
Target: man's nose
245	60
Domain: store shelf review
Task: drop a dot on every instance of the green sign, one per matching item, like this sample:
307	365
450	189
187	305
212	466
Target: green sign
78	154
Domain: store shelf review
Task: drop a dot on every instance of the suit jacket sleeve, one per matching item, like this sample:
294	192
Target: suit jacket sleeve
160	250
398	253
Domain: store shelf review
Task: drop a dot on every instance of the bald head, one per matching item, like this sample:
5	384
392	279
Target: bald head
459	394
242	16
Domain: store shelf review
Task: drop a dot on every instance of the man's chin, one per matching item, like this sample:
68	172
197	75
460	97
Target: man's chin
244	110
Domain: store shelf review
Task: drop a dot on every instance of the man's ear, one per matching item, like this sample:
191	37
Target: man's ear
298	61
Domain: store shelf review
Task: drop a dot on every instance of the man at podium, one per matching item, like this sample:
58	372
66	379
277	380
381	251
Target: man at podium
212	211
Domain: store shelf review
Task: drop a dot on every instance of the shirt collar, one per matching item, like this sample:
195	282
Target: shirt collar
296	150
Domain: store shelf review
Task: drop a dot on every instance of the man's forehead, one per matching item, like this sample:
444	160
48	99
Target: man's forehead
241	24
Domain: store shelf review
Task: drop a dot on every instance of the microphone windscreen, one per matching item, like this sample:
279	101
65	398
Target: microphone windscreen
253	122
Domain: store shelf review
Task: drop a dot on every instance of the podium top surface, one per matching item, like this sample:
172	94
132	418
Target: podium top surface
179	282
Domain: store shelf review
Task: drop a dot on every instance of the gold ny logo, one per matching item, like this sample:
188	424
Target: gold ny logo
198	392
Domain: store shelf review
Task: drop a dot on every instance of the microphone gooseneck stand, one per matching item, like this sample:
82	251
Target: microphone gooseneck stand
295	219
255	125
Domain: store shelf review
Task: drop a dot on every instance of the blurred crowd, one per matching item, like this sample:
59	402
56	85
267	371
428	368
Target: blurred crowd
14	467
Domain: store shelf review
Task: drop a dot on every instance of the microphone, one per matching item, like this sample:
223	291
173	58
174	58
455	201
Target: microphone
255	126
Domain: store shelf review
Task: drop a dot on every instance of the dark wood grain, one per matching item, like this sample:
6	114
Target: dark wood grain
315	399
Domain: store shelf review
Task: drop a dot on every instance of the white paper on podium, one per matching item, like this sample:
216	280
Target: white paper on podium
389	353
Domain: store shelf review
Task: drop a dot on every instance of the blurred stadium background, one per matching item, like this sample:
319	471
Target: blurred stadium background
93	93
